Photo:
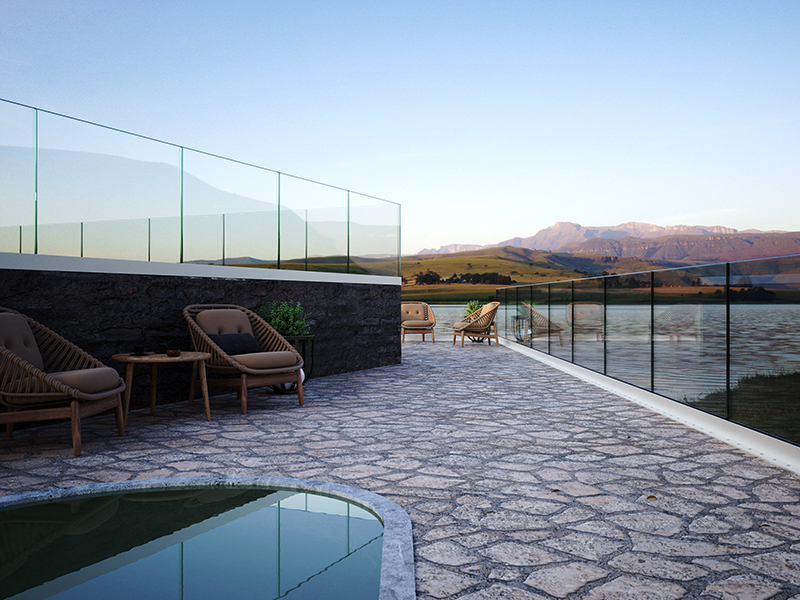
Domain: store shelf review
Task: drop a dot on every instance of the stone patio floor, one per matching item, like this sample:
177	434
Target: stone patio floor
522	482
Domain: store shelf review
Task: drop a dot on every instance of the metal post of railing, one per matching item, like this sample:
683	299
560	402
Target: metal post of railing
20	239
223	239
399	272
571	308
149	238
181	224
81	239
531	303
306	236
279	222
652	332
549	317
348	231
36	181
605	326
727	339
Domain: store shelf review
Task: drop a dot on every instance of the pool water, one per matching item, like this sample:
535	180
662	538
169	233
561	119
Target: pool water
191	544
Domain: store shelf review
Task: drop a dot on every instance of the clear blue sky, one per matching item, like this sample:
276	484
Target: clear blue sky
485	120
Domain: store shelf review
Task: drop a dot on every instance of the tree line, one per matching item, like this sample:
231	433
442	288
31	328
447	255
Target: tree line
431	277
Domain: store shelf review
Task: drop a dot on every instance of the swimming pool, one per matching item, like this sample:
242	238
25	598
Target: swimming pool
195	539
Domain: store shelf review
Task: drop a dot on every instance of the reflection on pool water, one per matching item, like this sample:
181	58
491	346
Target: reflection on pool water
191	544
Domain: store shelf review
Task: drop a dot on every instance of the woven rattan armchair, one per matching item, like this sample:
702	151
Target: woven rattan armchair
478	324
586	317
417	317
272	361
534	324
44	377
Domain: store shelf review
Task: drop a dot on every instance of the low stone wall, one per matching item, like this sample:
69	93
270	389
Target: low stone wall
356	324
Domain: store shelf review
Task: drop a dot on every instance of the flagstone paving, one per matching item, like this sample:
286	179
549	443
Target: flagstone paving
522	483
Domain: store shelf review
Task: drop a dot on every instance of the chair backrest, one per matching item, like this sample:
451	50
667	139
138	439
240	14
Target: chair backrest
588	313
486	308
17	337
223	320
415	311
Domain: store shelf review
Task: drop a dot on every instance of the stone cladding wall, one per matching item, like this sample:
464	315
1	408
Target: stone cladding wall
357	326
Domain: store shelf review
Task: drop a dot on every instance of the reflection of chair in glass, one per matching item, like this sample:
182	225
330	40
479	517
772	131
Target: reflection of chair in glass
478	324
678	320
534	324
586	317
43	377
417	317
245	351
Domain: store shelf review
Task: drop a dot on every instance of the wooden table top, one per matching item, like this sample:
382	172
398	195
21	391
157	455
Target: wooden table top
153	357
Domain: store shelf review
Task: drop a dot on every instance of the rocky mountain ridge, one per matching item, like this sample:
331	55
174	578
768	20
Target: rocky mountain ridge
563	233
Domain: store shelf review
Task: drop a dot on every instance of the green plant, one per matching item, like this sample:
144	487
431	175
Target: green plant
285	318
472	306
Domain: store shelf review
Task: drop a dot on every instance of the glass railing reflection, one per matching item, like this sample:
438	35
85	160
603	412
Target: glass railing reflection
723	338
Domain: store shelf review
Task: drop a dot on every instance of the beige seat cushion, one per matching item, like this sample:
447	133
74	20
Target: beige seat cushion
223	320
266	360
17	337
461	325
416	324
89	381
412	312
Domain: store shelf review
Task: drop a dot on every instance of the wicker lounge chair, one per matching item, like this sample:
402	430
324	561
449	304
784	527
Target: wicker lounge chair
417	317
586	317
534	324
678	320
478	324
245	351
44	377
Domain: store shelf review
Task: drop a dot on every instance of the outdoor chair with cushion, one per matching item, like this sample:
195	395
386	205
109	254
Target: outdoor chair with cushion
245	351
586	317
417	317
534	324
44	377
678	320
478	324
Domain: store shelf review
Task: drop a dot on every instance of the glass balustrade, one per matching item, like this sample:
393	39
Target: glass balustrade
73	188
722	338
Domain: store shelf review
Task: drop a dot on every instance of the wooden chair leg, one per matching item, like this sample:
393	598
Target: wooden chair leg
300	387
119	416
75	418
192	383
243	393
433	339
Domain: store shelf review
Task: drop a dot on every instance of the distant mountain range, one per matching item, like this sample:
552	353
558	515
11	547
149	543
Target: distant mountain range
681	243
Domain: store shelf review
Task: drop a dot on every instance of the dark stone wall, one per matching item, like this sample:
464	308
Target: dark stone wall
356	325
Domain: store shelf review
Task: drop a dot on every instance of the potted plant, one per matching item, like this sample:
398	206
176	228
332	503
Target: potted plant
471	307
291	322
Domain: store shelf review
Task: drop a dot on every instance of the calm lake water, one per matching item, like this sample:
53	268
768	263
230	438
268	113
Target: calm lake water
765	339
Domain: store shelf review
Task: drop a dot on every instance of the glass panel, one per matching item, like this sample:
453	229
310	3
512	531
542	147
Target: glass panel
123	240
10	238
628	328
294	241
17	173
165	239
251	239
560	298
373	238
765	348
60	239
586	318
327	240
89	173
689	327
202	239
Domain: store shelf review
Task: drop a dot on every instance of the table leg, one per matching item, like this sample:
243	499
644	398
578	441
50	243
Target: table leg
204	387
126	399
153	375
